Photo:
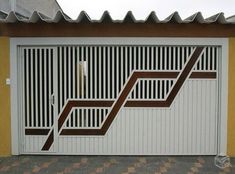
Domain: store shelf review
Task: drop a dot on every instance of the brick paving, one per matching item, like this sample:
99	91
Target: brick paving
112	164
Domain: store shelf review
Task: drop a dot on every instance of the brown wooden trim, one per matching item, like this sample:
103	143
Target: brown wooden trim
138	74
65	29
184	74
129	103
79	131
49	141
118	103
81	103
203	75
108	103
124	93
91	103
146	103
36	131
64	114
156	74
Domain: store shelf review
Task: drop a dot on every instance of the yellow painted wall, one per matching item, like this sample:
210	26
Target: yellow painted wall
5	118
231	99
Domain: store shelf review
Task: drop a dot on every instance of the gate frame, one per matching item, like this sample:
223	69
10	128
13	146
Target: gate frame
16	125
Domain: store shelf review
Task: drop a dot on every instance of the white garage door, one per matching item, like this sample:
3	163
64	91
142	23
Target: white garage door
119	99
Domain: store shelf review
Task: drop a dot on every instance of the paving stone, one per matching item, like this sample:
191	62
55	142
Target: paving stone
112	165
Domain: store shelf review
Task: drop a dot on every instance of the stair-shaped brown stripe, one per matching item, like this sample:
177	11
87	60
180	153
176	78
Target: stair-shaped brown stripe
49	141
184	74
36	131
127	89
166	103
203	75
73	103
119	102
147	103
108	103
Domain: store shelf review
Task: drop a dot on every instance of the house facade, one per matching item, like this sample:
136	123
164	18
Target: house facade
117	87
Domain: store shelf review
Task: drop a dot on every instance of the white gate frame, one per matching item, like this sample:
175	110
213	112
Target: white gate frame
16	141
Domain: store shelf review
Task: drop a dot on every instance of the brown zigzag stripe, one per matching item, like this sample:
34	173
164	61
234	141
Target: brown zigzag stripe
49	141
108	103
116	106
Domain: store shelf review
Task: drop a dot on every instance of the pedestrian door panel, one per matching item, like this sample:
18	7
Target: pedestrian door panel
37	96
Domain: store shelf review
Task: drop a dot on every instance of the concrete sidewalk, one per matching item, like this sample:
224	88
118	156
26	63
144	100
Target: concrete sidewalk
112	165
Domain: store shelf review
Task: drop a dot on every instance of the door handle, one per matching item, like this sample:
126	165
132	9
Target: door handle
52	99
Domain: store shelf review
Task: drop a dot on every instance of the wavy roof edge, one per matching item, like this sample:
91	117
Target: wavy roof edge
83	17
